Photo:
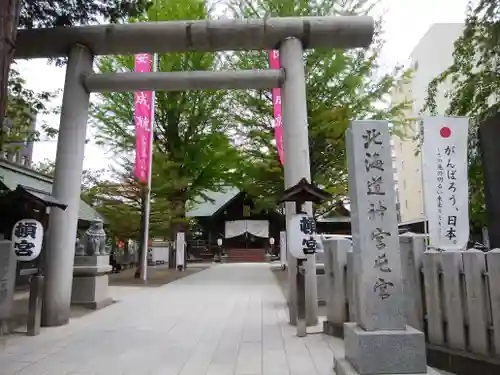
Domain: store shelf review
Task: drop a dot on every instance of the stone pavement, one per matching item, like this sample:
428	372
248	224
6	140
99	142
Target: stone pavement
229	319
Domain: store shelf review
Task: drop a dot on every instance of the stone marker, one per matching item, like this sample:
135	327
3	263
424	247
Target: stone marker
7	282
35	305
379	342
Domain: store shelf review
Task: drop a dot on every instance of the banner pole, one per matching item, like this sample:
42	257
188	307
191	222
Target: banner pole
147	203
420	123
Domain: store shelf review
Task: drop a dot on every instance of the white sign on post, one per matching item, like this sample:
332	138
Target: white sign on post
27	238
446	192
301	237
180	249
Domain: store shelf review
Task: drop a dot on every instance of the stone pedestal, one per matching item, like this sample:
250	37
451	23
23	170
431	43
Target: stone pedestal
90	281
7	282
383	352
379	342
335	262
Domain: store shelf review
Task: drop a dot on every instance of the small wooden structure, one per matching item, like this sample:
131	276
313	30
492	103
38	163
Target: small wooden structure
304	191
27	194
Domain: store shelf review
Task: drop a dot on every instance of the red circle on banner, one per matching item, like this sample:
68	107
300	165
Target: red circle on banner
445	132
120	244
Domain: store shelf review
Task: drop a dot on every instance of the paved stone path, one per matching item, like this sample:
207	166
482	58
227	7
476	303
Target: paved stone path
229	319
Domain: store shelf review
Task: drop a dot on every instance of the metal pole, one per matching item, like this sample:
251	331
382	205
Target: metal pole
147	203
61	235
297	164
426	222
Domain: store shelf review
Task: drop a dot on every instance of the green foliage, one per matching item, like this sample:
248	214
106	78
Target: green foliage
91	179
47	13
46	167
118	198
119	201
476	87
192	152
341	86
23	105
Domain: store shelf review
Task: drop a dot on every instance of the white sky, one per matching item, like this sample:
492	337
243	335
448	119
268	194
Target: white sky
406	21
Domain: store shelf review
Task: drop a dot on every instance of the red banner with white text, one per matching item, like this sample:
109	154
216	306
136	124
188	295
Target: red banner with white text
142	121
274	63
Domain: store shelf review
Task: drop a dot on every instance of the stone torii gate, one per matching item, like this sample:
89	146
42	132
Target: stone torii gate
291	35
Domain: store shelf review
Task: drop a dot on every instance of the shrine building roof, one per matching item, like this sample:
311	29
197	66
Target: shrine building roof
13	175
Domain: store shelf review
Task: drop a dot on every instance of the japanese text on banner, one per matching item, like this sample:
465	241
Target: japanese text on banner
274	63
142	121
444	156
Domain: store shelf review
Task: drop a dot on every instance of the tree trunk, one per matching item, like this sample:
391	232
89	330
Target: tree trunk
9	19
126	252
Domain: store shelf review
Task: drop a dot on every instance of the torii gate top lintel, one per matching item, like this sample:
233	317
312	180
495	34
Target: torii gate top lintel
200	36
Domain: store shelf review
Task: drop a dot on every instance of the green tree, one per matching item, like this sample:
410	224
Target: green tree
117	197
16	14
475	90
91	179
191	150
46	167
23	107
341	86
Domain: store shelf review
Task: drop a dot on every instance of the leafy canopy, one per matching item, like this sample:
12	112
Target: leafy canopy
191	151
48	13
16	101
341	86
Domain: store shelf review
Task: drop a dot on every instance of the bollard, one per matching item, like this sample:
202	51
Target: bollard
301	298
35	305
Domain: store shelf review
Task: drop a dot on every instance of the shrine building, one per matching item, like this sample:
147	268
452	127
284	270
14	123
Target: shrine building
247	233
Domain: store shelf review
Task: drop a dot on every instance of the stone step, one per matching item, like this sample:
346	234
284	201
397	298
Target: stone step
246	255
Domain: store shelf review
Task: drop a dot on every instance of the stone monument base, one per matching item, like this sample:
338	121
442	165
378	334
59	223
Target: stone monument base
382	352
343	367
91	282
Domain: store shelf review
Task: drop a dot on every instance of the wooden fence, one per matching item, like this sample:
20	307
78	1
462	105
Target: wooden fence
454	297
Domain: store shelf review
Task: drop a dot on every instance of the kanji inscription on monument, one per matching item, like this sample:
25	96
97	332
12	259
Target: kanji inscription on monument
377	265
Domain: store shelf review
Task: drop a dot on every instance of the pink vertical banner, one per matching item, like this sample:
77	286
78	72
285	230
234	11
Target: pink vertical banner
274	63
142	120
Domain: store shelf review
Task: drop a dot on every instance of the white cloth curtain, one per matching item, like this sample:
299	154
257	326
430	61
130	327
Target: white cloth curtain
235	228
259	228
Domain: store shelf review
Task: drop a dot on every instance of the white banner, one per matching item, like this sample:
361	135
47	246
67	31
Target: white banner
235	228
259	228
446	191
